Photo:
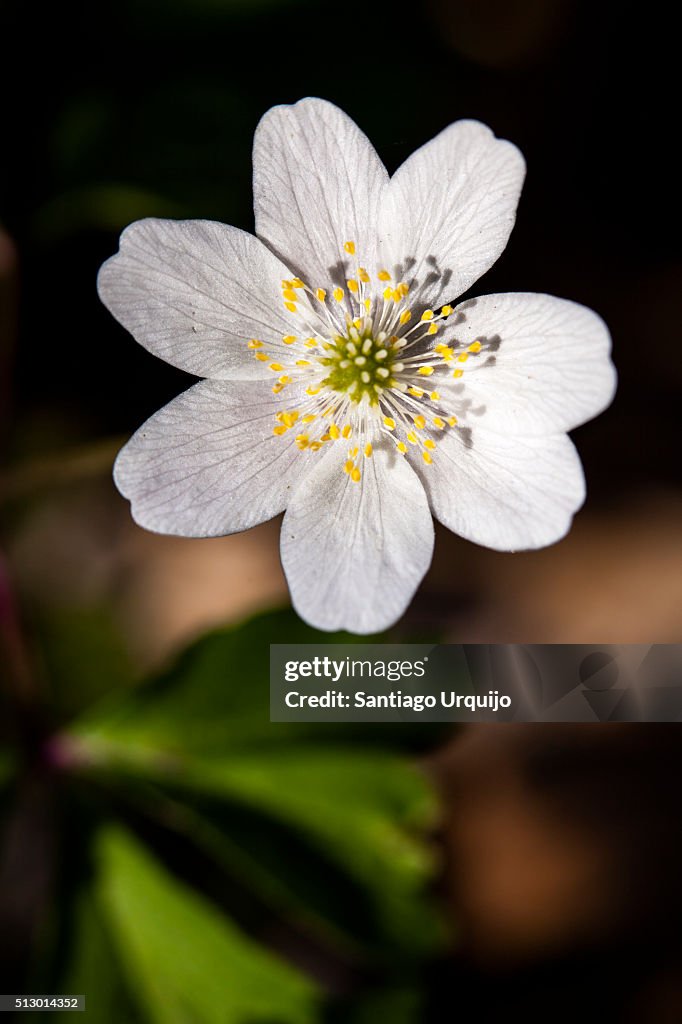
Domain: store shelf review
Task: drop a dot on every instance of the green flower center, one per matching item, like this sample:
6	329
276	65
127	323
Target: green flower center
359	365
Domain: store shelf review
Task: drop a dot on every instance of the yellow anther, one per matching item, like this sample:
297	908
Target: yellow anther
367	304
355	474
254	343
297	283
347	431
277	388
309	418
405	316
438	422
326	437
290	294
276	367
320	294
427	458
262	357
302	362
412	437
291	306
463	357
349	466
352	285
425	371
434	396
403	289
368	450
446	310
315	446
388	294
284	380
445	353
428	443
288	418
396	296
427	314
310	343
452	421
312	391
334	432
302	441
457	373
353	452
475	346
363	275
290	339
349	247
338	294
384	275
419	422
287	284
389	422
417	392
279	430
433	329
402	447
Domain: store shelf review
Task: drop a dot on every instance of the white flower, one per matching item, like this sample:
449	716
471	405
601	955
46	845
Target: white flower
339	386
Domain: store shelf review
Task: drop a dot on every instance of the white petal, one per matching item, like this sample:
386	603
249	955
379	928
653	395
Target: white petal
208	464
194	292
449	210
317	183
544	365
354	553
503	492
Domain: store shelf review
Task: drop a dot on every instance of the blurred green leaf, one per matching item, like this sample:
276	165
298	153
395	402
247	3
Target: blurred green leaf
92	968
328	799
361	809
184	960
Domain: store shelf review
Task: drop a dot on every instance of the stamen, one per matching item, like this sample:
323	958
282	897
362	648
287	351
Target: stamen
359	377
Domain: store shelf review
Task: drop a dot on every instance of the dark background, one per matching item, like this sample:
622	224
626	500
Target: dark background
117	111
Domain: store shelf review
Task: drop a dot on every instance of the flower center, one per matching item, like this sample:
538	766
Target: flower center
366	368
360	365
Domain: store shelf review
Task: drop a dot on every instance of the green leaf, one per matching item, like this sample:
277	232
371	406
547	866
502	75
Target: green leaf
91	968
360	809
184	960
282	807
